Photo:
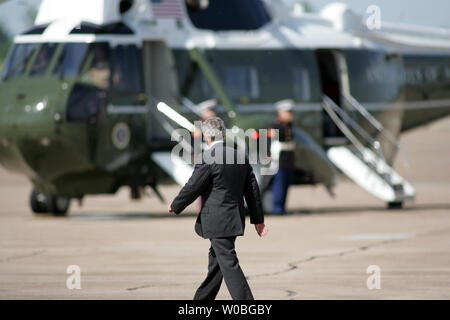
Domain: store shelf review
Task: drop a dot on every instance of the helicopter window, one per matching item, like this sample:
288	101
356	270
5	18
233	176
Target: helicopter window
252	76
227	14
98	72
69	62
84	102
18	59
302	86
43	59
126	69
368	69
241	82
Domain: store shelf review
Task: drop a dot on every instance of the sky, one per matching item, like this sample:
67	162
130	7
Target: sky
420	12
15	15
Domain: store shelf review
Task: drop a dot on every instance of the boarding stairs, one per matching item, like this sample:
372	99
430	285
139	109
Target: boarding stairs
362	160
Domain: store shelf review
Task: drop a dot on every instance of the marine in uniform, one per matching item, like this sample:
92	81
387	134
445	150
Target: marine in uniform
284	152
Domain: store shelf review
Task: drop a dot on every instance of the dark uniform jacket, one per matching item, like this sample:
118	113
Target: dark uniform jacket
223	188
287	158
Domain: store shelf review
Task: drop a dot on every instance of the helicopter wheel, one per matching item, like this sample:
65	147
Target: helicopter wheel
58	206
396	205
38	202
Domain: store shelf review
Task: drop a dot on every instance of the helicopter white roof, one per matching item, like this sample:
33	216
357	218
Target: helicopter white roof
285	30
335	27
94	11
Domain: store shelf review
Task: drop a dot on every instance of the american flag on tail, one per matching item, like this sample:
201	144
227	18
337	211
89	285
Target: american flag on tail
167	8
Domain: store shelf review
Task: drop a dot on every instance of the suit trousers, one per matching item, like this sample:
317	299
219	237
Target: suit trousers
224	264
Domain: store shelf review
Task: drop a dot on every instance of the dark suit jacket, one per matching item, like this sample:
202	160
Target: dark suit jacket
223	188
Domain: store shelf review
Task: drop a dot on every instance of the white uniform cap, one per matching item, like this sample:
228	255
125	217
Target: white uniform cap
207	105
285	105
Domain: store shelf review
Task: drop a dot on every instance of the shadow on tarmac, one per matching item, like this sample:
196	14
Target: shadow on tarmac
127	216
360	209
304	211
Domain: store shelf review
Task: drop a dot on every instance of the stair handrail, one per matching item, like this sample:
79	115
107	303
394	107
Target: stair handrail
381	129
333	110
328	106
375	144
371	119
154	108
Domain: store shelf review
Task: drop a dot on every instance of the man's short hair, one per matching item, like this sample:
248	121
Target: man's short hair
214	129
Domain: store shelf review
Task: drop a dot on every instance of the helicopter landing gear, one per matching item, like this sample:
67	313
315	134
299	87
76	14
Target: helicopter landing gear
56	205
396	205
38	202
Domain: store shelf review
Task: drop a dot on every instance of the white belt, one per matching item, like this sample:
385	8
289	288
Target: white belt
278	146
287	146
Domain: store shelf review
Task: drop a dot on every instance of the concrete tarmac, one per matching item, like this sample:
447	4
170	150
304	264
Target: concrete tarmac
321	250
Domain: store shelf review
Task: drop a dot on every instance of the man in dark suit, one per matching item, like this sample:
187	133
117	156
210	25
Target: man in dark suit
223	180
